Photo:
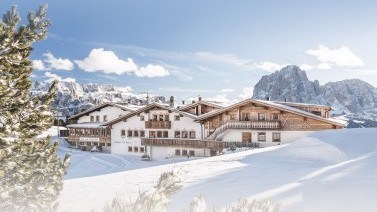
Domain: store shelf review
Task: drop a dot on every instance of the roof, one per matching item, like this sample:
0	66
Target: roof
217	105
273	105
87	125
99	107
149	107
303	104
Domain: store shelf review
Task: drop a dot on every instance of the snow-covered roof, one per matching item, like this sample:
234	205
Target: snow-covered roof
148	107
128	107
87	125
274	105
303	104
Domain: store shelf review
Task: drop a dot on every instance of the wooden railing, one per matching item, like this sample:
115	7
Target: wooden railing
188	143
157	124
244	125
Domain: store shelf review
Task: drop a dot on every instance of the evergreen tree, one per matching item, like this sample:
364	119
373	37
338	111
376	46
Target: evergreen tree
31	174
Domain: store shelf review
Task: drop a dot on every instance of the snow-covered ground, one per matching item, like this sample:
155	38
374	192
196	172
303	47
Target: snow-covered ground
333	170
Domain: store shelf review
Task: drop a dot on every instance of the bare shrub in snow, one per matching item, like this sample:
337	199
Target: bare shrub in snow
154	200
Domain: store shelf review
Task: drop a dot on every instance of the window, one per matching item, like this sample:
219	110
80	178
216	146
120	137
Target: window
275	116
191	153
232	117
184	134
136	133
245	117
192	134
108	144
141	118
177	152
129	133
176	118
159	134
261	117
123	132
165	134
141	149
262	136
152	134
166	117
91	118
97	118
105	118
88	143
184	152
177	134
221	117
130	148
154	117
161	117
142	133
136	149
275	137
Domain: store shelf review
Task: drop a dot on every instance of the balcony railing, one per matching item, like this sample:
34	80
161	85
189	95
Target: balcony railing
188	143
244	125
157	124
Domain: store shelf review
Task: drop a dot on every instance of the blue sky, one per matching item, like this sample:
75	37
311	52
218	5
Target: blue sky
216	49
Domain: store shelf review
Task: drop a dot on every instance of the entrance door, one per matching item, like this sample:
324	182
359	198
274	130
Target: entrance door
246	138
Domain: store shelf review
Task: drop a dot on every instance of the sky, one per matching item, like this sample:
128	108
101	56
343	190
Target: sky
216	49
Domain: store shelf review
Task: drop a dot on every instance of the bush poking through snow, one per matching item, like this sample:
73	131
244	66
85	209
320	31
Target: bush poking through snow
154	200
243	205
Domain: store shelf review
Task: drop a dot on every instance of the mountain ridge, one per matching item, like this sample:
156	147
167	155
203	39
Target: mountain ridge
353	99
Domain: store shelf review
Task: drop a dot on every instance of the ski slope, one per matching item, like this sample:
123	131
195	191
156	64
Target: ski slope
333	170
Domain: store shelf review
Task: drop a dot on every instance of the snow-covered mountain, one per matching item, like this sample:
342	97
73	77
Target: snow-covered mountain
73	97
353	99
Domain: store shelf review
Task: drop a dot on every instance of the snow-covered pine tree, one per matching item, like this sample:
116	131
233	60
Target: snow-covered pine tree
31	174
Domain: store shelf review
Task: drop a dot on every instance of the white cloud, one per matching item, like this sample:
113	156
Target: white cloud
247	92
339	57
51	77
38	65
57	63
226	90
106	61
324	66
221	98
109	63
306	67
269	66
152	71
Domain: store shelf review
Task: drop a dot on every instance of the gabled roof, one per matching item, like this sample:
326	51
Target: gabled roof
149	107
303	104
99	107
273	105
202	102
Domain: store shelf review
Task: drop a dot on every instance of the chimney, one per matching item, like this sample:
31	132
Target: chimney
171	102
129	101
268	98
193	101
148	99
183	102
285	99
200	98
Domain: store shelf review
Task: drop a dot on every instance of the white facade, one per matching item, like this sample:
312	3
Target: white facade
123	143
235	135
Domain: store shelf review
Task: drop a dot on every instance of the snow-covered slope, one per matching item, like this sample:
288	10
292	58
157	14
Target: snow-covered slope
331	170
73	97
354	98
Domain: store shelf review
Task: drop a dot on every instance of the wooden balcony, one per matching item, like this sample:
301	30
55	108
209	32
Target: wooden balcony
187	143
158	124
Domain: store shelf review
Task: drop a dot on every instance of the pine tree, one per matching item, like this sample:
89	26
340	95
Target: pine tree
31	174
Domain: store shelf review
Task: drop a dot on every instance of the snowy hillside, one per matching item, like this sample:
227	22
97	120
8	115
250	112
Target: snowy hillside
355	99
73	97
331	170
